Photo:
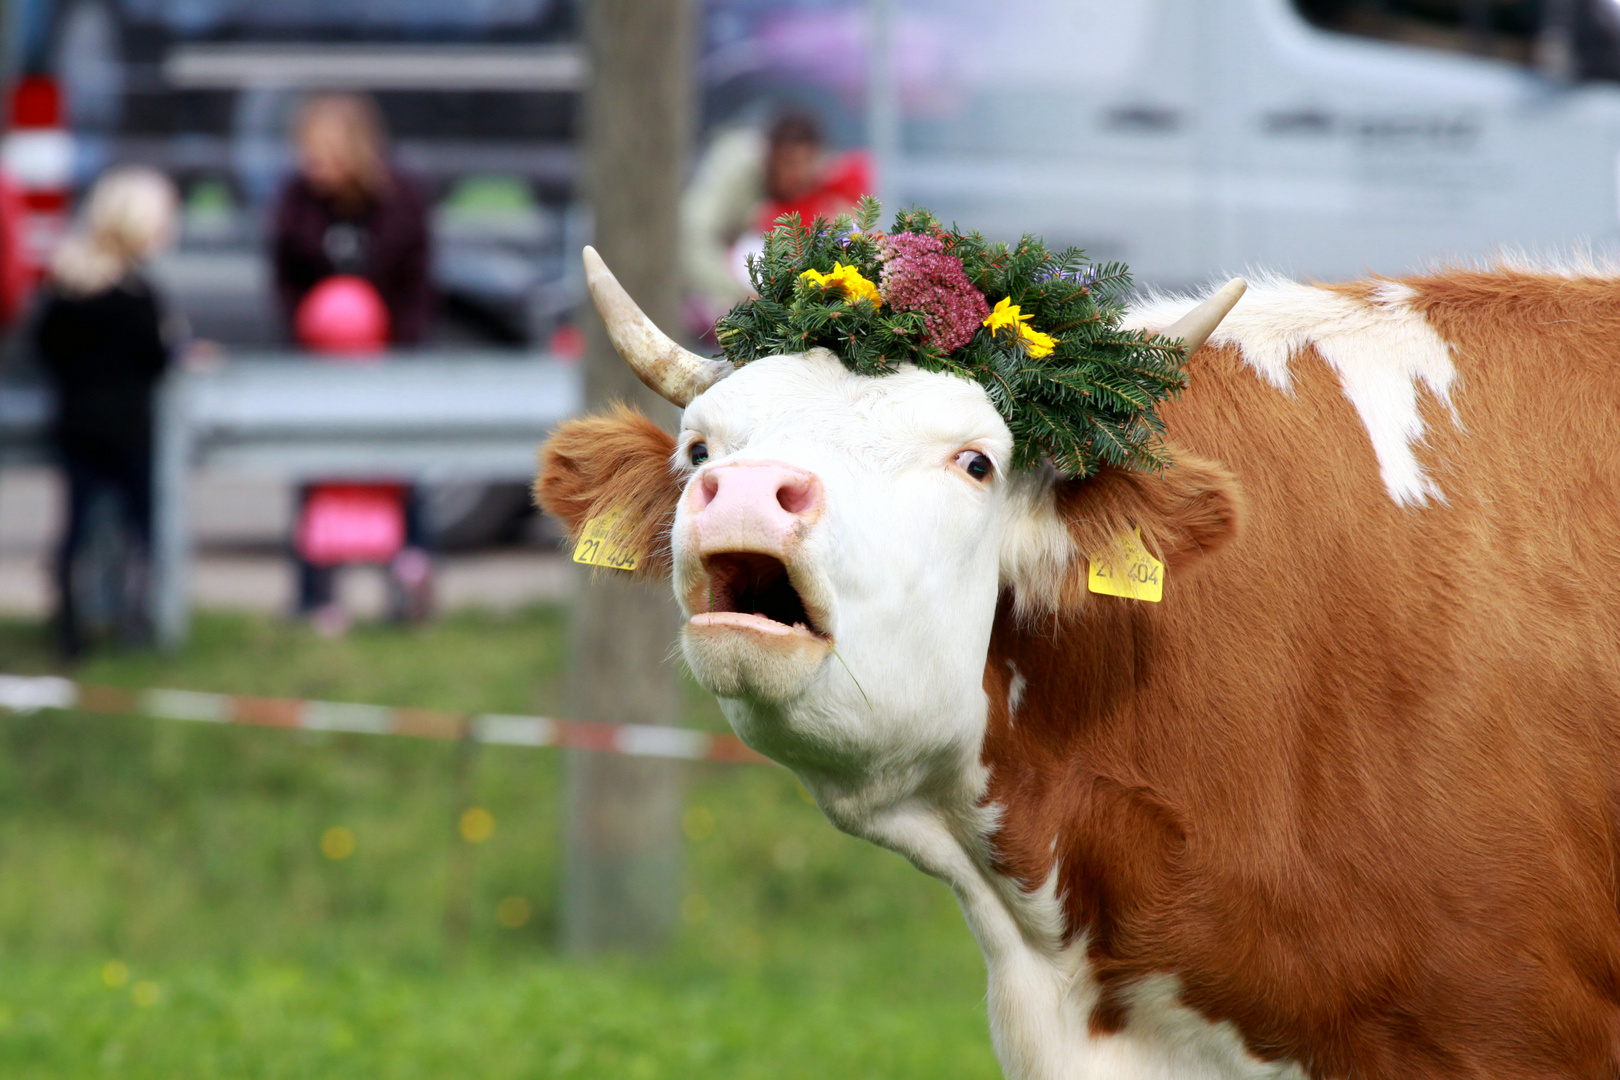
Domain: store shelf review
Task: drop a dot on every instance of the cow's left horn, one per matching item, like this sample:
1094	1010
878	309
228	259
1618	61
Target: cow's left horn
1195	327
678	375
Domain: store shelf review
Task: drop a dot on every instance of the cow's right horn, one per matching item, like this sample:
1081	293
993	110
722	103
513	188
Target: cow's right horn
678	375
1195	327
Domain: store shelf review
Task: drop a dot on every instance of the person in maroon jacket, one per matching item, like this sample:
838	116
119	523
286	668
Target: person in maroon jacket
348	211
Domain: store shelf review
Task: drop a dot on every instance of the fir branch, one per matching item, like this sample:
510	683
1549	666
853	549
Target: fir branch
867	212
1092	399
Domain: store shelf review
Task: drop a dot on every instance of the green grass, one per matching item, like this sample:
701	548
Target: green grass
190	855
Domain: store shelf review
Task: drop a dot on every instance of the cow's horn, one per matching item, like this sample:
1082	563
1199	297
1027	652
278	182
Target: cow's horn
1195	327
677	374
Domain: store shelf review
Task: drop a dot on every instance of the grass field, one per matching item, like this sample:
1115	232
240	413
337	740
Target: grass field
170	906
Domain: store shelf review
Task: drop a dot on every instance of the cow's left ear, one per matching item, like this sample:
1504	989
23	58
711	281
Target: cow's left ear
613	463
1185	513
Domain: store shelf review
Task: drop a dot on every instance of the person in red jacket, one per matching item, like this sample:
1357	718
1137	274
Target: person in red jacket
746	179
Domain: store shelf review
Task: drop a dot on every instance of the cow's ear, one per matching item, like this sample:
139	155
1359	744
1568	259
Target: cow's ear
618	461
1185	513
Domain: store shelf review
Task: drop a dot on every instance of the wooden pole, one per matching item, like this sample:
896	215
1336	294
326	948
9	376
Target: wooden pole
621	872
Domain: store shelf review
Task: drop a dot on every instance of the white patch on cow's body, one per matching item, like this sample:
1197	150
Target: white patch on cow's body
1016	685
1381	349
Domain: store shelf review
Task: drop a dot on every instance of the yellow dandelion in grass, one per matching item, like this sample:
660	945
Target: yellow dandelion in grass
337	843
114	973
1006	316
848	281
513	912
145	993
477	825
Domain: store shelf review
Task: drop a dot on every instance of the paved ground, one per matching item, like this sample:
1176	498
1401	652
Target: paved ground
242	525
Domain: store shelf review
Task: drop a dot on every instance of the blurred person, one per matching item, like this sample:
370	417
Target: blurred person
349	228
347	210
100	335
746	180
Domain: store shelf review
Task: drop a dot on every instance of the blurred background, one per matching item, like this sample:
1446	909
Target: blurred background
316	264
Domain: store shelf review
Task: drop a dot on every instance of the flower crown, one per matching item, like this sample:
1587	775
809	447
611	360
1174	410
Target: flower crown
1073	387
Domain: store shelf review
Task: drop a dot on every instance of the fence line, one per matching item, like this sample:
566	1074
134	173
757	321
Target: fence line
30	693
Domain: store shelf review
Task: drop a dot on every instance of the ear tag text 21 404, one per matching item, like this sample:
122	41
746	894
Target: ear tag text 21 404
603	543
1127	570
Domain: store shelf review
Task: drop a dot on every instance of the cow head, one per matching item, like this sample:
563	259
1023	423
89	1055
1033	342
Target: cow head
839	543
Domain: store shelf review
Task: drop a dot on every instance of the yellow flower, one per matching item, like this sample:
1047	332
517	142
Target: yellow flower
846	280
1037	343
1006	314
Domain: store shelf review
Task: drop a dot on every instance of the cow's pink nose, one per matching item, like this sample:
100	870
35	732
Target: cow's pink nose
753	501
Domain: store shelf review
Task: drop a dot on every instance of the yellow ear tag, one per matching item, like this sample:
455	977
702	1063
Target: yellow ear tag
1128	570
603	544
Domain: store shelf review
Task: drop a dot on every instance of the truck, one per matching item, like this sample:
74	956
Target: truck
1195	139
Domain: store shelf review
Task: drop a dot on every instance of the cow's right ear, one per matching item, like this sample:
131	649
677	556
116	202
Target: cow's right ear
1184	514
618	461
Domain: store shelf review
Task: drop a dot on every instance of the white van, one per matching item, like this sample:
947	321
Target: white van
1194	138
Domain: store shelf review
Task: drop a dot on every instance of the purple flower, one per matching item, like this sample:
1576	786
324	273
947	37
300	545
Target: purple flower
919	276
1083	276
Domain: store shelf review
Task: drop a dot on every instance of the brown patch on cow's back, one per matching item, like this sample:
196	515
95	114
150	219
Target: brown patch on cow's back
1355	782
620	461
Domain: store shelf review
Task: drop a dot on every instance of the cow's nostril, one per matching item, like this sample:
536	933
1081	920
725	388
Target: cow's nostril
796	496
708	487
751	489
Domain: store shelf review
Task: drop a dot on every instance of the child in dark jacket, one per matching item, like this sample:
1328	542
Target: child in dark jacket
101	339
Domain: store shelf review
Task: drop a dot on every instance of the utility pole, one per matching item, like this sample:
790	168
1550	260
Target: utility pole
883	104
622	867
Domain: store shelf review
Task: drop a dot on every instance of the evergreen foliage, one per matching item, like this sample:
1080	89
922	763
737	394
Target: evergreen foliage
1091	399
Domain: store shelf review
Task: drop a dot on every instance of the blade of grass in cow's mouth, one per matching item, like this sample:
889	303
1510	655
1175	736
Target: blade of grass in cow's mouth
755	584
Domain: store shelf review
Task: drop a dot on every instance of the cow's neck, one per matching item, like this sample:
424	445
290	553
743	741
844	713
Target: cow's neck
929	807
979	822
1060	698
1060	751
935	812
936	815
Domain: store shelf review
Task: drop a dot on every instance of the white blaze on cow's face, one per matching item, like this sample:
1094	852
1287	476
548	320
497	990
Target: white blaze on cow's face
826	511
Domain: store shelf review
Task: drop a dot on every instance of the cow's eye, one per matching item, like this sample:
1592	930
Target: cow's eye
699	453
974	464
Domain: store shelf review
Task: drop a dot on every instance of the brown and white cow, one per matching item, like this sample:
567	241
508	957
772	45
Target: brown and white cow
1345	804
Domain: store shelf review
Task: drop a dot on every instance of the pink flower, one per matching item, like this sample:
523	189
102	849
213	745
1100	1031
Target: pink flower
919	276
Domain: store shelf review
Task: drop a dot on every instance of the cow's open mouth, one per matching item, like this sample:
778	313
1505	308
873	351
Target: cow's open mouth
756	587
758	629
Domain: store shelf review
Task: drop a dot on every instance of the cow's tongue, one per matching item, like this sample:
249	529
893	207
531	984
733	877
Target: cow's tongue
754	584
